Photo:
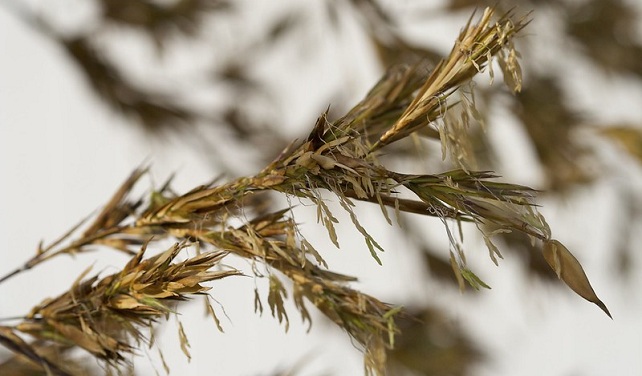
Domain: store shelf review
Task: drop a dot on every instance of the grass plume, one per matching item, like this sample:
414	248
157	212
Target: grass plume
105	316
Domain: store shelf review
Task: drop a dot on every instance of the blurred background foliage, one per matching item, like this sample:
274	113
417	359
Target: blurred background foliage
203	71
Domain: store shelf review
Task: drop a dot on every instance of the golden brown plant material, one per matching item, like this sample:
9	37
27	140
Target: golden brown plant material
105	316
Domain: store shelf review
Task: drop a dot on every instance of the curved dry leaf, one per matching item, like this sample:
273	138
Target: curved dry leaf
569	270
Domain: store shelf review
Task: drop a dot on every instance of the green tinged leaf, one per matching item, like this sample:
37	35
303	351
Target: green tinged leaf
307	248
457	271
370	242
163	362
299	302
474	281
390	317
210	311
184	342
324	214
373	253
493	251
275	300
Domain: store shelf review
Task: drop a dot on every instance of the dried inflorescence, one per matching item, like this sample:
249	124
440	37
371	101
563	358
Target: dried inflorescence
103	316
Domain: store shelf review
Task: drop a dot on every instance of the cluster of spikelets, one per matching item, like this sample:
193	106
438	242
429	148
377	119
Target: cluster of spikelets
106	316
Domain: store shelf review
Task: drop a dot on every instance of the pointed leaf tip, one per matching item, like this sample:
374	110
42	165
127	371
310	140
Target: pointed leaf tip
569	270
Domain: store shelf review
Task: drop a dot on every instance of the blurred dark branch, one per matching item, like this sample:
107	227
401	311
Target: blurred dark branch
160	20
543	111
606	31
431	344
391	45
161	112
153	110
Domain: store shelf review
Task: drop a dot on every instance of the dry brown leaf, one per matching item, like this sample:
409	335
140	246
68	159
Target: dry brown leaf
569	270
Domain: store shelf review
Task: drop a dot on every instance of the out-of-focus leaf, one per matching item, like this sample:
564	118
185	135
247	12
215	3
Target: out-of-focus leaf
161	19
569	270
542	110
395	50
628	137
438	267
522	245
457	5
41	357
283	26
153	110
606	30
478	106
12	341
430	344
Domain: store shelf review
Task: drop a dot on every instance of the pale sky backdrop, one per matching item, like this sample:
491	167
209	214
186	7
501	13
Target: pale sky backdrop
64	153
